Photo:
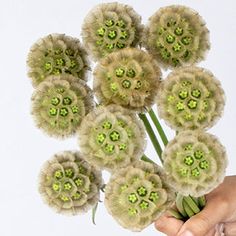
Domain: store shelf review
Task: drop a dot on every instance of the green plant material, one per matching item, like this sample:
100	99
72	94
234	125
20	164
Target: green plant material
129	77
68	184
145	158
110	27
190	98
158	126
191	204
195	163
151	135
179	205
175	214
188	209
94	211
57	54
59	104
137	195
112	137
177	36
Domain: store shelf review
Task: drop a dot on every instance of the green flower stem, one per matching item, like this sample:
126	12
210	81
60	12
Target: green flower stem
194	207
188	209
145	158
94	210
152	135
158	127
176	214
179	205
202	201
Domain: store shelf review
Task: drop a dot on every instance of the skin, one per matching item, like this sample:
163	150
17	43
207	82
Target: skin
220	208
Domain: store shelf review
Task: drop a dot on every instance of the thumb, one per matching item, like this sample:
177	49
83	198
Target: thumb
214	212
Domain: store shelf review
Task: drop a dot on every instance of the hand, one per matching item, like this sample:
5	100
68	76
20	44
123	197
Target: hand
220	208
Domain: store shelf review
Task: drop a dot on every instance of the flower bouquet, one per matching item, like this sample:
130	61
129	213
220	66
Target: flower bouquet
111	120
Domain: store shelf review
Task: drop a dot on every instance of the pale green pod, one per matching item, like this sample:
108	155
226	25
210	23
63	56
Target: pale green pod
59	104
190	98
129	77
111	137
177	36
68	184
109	27
195	163
57	54
137	195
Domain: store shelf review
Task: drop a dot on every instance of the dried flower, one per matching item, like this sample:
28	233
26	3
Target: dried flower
129	77
136	195
69	184
177	36
190	98
57	54
59	104
109	27
195	162
111	137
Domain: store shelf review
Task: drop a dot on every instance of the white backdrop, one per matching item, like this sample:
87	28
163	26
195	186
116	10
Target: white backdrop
24	148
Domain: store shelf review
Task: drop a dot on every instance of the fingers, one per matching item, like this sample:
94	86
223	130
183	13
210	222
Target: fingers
201	224
230	229
168	225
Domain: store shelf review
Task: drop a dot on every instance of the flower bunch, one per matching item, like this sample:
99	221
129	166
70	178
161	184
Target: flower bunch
177	36
137	195
111	135
69	184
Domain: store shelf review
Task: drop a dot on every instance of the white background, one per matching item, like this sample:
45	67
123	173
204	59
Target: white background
23	148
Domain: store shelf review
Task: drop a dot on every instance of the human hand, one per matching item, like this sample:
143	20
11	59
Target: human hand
220	208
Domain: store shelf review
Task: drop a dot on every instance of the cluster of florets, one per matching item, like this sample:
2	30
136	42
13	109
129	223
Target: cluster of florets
69	184
127	80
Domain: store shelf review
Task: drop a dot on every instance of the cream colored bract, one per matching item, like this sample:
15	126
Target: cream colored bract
195	163
68	184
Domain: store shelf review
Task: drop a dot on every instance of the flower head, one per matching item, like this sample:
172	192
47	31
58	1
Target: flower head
195	162
69	184
177	36
111	137
59	104
110	27
136	195
129	77
57	54
190	98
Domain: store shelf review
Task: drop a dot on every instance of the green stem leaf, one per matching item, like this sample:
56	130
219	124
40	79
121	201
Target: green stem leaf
152	135
94	210
158	127
145	158
194	207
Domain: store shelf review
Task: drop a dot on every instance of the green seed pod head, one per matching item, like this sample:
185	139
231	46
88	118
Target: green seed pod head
111	137
177	36
129	77
190	98
68	184
137	195
109	27
195	162
57	54
59	104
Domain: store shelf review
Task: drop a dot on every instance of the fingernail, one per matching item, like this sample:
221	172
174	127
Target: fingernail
187	233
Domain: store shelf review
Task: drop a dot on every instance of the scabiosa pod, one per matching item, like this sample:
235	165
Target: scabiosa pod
111	137
190	98
68	184
195	162
137	195
177	36
110	27
57	54
59	104
129	77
